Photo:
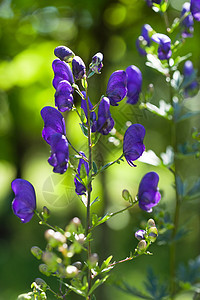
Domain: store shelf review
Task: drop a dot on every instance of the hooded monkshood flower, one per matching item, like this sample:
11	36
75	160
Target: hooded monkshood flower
195	9
105	122
24	202
64	53
140	234
148	194
59	153
133	146
187	23
63	96
78	68
150	2
53	122
189	74
164	49
96	65
134	84
116	88
92	114
62	71
80	188
144	39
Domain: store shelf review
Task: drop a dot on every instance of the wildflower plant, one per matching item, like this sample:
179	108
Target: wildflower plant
71	75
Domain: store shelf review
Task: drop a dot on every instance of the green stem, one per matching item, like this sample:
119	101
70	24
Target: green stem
108	165
43	222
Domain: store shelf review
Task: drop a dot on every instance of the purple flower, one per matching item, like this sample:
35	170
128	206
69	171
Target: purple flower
195	9
59	153
192	86
63	96
92	114
187	23
164	49
96	65
116	88
53	123
148	194
24	203
78	68
62	71
64	53
105	122
80	187
133	146
150	2
134	84
144	39
140	234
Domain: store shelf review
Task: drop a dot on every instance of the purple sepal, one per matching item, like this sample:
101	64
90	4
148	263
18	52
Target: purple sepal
92	114
59	153
62	71
195	9
117	87
105	122
134	84
140	234
148	194
188	22
133	146
164	49
78	68
24	202
63	52
63	96
80	188
53	122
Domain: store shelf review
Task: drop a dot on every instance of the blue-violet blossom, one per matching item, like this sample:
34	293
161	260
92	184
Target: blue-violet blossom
150	2
192	87
80	187
62	71
144	39
195	9
97	63
164	48
24	202
78	68
117	87
53	122
134	84
148	194
64	96
59	153
133	146
105	122
140	234
64	53
187	23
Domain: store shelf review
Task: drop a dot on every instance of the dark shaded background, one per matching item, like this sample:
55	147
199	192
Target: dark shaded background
29	32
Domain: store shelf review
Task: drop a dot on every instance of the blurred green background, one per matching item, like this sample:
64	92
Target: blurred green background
29	32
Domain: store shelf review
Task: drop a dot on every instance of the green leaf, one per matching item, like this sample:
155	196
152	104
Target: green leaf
97	283
95	169
84	129
76	290
106	263
95	137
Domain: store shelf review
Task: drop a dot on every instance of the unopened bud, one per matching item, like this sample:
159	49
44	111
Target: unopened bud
80	238
64	53
78	265
141	246
44	269
37	252
45	213
151	223
41	283
152	233
27	296
71	271
140	234
126	195
49	233
76	221
93	259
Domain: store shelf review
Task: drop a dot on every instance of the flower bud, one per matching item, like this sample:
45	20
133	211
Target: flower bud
64	53
126	195
80	238
152	234
71	271
45	213
151	223
141	246
140	234
78	265
27	296
49	233
93	259
78	68
41	283
76	221
96	64
44	269
37	252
